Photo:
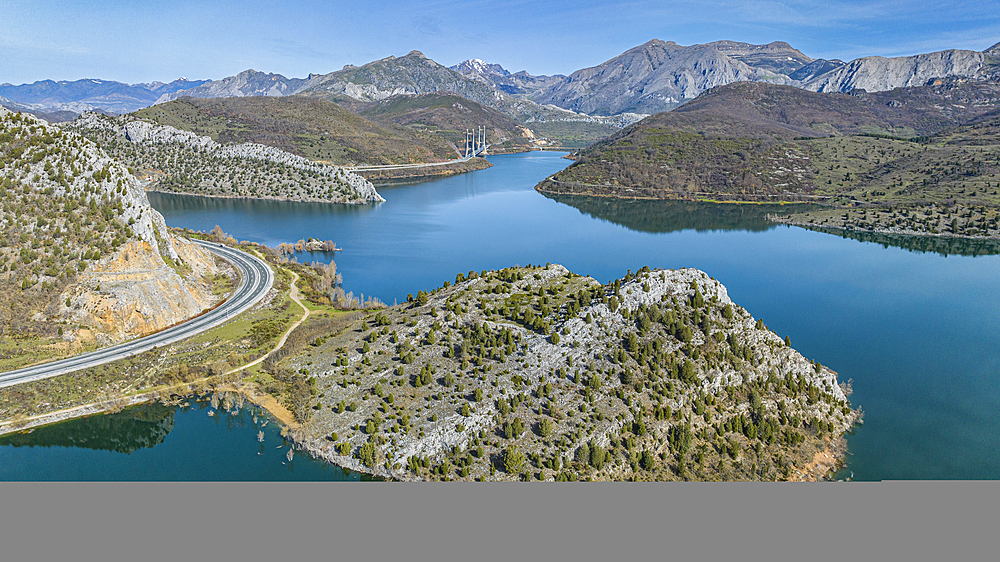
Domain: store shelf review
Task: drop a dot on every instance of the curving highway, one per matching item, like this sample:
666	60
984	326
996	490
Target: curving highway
256	279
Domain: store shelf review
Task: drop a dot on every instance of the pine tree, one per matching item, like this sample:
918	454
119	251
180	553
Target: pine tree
512	459
367	454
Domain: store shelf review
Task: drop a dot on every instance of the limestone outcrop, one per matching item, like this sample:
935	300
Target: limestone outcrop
91	256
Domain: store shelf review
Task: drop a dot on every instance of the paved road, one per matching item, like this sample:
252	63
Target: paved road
421	165
256	279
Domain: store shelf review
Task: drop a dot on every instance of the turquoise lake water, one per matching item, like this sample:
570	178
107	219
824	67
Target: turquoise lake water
914	323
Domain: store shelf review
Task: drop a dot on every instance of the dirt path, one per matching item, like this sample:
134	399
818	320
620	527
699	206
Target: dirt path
294	294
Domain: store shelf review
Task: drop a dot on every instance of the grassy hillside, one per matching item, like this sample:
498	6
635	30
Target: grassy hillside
448	116
761	142
313	128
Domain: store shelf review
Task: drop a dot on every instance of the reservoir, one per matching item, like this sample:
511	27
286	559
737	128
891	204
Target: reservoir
914	323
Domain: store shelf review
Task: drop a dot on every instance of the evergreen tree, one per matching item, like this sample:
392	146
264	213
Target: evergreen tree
367	454
513	459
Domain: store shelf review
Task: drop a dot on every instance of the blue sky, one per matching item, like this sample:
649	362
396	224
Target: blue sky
142	41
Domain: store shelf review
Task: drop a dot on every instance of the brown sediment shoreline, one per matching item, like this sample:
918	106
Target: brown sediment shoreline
823	464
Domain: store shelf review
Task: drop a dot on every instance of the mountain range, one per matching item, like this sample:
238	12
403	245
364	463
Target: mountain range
653	77
661	75
89	94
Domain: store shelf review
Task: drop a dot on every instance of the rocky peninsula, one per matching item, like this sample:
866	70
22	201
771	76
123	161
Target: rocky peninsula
180	161
536	373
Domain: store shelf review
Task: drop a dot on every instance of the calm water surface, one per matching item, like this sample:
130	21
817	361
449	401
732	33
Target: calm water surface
917	328
154	442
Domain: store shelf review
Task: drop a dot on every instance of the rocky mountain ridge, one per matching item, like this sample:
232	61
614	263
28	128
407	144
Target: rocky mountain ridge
339	185
659	76
247	83
878	74
504	80
656	76
650	78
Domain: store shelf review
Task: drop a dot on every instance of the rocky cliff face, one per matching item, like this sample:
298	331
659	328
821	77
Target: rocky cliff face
659	76
876	74
132	292
91	255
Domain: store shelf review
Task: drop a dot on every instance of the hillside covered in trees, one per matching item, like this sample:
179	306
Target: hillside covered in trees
180	161
755	141
535	373
906	148
84	259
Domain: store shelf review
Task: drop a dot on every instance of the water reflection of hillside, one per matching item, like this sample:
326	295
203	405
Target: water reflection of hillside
127	431
943	245
670	216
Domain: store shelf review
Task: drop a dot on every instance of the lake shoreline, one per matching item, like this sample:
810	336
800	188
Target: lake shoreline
263	198
824	464
539	189
895	232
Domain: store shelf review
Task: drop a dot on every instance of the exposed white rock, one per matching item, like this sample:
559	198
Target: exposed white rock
876	74
143	132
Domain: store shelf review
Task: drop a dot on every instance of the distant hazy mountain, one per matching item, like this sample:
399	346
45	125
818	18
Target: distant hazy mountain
245	84
411	74
50	116
90	94
503	80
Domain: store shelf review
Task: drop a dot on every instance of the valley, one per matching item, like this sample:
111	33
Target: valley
689	158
